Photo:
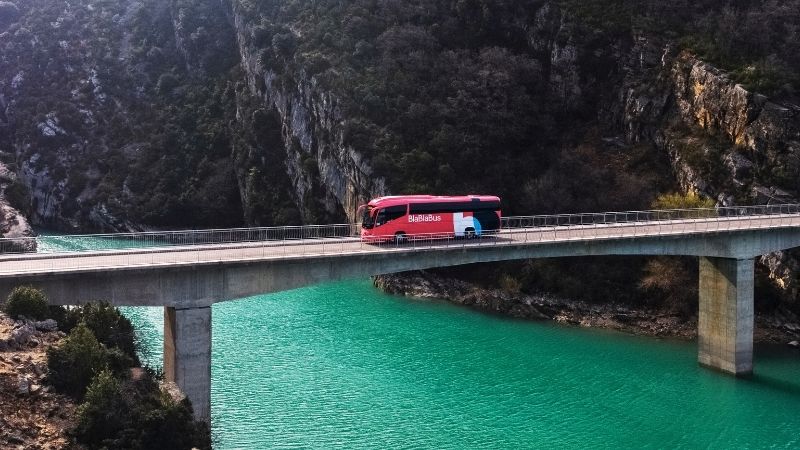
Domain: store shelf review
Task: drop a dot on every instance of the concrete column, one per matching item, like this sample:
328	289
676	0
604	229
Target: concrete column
725	321
187	355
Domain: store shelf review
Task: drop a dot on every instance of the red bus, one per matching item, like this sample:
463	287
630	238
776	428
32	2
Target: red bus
405	216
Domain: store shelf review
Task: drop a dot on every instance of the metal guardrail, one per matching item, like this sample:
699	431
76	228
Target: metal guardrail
181	238
314	234
620	217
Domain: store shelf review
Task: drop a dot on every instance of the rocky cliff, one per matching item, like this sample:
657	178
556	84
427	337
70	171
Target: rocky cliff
723	141
32	415
139	113
13	223
621	316
329	177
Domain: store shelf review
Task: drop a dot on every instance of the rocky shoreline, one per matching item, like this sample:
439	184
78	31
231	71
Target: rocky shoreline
31	415
776	328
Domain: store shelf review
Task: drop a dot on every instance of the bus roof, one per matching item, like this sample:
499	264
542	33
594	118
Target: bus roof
393	200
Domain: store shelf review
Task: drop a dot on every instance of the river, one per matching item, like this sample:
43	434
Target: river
343	365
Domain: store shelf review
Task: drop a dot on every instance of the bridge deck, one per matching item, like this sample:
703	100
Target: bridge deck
107	260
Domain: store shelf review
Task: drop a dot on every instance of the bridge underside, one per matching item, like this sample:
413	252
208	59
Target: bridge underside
205	283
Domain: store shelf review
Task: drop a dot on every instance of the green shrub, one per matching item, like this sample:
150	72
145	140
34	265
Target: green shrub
136	414
74	363
9	13
103	413
166	83
510	284
119	362
108	325
671	283
28	302
59	314
682	201
93	363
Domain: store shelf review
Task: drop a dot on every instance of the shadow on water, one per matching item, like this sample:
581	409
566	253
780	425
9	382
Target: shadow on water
782	386
774	356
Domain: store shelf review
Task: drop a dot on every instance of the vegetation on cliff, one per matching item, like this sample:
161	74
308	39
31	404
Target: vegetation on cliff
757	41
207	113
436	96
109	107
26	302
121	404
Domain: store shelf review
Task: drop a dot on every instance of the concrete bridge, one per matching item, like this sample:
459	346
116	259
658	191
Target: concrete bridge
187	271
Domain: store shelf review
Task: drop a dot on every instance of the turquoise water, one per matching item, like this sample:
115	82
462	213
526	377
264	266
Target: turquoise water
48	241
345	366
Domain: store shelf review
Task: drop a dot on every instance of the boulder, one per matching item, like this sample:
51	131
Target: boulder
23	385
39	369
46	325
23	334
794	344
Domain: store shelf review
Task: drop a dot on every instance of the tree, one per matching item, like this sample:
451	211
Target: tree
136	414
108	325
673	280
27	302
682	201
166	83
284	44
103	413
9	13
72	365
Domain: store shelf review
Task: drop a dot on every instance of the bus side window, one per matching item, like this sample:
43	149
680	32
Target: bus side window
395	212
390	213
380	217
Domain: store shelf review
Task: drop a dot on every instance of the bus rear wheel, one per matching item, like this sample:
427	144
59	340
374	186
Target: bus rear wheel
400	237
469	233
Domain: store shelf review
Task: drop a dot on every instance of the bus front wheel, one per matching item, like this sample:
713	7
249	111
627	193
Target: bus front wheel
400	237
469	233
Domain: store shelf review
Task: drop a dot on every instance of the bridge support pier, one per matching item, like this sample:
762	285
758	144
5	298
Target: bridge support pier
725	320
187	355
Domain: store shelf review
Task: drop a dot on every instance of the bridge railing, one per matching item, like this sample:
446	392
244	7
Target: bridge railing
645	216
312	234
180	238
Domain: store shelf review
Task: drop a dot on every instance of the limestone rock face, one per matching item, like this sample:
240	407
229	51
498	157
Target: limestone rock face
312	129
710	99
723	141
322	168
706	97
12	223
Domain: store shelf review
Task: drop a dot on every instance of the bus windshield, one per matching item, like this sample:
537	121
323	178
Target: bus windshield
367	221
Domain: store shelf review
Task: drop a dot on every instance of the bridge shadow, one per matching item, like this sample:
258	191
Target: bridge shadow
774	355
775	384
